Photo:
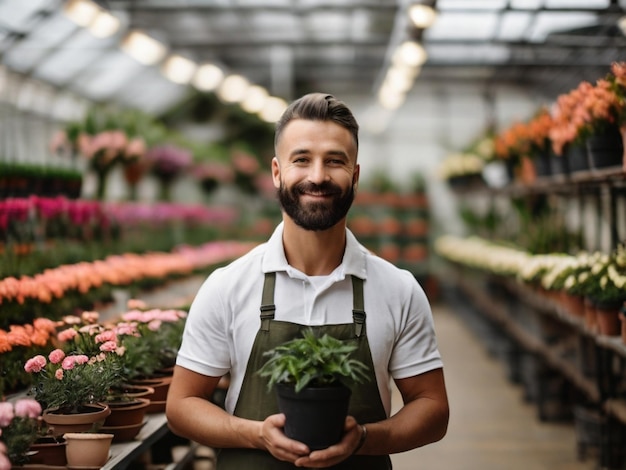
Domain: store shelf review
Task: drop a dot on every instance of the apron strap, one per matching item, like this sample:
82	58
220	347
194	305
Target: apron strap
268	309
358	309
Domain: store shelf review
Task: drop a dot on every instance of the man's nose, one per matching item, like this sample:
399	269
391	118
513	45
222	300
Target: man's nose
318	172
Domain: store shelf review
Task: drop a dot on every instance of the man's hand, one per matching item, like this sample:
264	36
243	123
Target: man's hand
279	445
337	452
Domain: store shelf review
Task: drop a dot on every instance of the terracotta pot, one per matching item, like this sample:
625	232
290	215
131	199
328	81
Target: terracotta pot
134	391
124	433
90	420
161	386
622	318
590	316
87	450
127	412
608	320
48	451
574	304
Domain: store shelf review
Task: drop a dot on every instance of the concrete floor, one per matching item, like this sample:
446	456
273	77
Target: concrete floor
491	426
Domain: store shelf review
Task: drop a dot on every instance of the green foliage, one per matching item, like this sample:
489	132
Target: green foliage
312	361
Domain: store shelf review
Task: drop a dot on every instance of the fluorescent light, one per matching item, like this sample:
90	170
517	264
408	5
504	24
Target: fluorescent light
104	25
390	98
422	16
179	69
208	77
410	53
143	48
233	89
255	99
81	12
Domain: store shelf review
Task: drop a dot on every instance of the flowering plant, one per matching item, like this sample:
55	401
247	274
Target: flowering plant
525	138
588	109
150	338
19	427
70	381
18	343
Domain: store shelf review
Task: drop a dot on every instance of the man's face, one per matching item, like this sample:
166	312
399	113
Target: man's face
315	172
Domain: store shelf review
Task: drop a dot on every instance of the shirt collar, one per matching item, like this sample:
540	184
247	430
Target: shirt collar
354	258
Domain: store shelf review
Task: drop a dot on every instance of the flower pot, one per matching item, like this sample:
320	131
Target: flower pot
124	433
315	415
87	450
91	419
590	316
622	319
574	304
48	451
606	149
161	386
127	412
607	318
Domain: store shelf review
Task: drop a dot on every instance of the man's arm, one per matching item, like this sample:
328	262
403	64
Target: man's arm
422	420
191	414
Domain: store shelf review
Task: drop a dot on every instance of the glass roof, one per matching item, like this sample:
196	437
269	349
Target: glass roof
338	46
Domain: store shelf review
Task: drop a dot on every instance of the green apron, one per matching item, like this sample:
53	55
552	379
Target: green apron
257	403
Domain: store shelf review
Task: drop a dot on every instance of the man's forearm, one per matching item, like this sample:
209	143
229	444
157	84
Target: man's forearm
206	423
417	424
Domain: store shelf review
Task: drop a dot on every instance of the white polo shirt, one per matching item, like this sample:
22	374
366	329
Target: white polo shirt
225	317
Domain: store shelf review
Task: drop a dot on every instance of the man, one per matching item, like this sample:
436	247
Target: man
309	272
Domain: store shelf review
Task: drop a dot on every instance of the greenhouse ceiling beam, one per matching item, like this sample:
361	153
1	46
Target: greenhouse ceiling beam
328	6
268	7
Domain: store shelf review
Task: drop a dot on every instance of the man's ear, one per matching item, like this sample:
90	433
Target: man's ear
276	172
355	176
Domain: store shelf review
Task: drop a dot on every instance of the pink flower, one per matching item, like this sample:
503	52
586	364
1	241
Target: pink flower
35	364
108	346
105	336
90	317
68	363
67	335
81	359
6	414
56	356
154	325
27	408
58	374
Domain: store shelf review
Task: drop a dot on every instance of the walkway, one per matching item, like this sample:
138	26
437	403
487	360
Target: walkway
491	427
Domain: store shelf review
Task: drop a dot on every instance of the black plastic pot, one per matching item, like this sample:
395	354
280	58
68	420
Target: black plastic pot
315	415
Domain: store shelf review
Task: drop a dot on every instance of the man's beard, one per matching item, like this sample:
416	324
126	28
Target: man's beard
315	216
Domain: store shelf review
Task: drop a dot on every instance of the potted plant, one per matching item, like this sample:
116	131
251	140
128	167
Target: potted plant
73	388
311	375
19	427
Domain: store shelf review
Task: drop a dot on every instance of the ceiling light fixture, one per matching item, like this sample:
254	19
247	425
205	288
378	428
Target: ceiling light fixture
143	48
273	109
179	69
255	99
104	25
411	54
208	77
233	89
422	16
81	12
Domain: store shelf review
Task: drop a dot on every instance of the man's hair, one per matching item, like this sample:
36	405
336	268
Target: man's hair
319	107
